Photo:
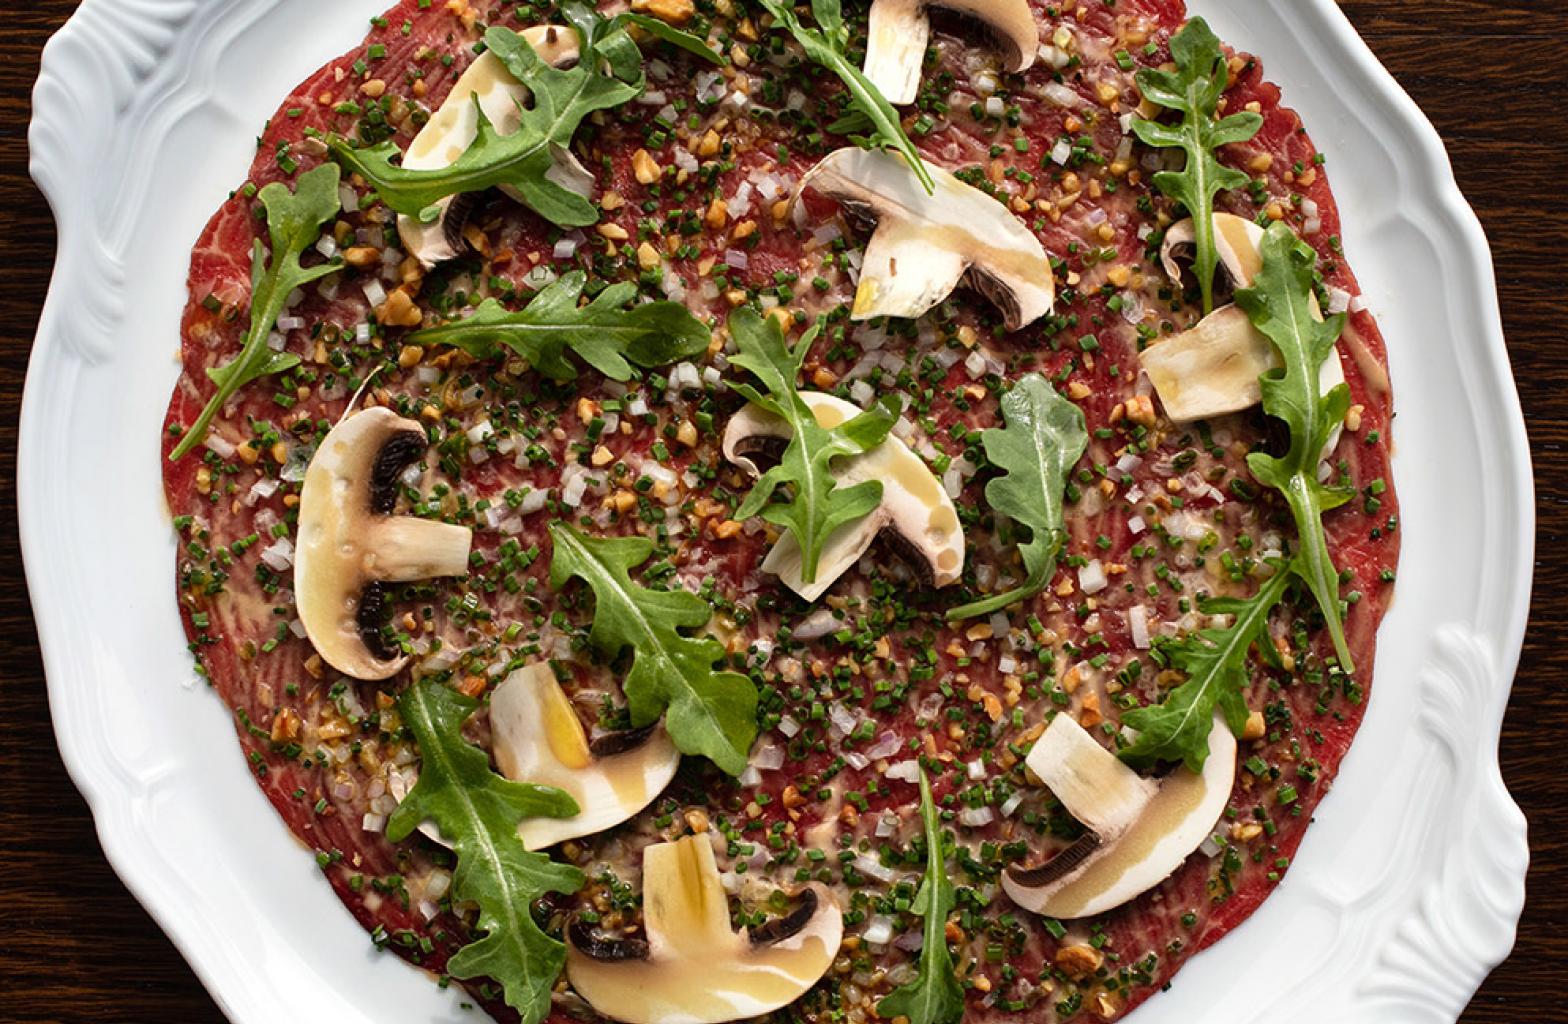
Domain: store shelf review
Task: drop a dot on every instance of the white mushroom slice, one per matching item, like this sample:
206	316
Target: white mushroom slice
455	125
1236	242
538	738
1140	831
923	244
350	543
915	513
1213	368
899	31
692	968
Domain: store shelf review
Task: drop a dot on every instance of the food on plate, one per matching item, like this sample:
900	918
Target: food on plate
724	508
691	965
923	243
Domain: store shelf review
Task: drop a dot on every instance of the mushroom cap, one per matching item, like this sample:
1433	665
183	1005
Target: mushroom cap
915	506
924	244
693	968
455	125
538	738
1173	822
1212	369
899	31
349	541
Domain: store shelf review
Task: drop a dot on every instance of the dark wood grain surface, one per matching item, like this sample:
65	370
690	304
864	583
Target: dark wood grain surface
74	946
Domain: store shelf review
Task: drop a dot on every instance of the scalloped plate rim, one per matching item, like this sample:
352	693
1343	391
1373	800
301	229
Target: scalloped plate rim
113	795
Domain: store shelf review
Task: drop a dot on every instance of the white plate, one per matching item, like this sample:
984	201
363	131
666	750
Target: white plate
1407	889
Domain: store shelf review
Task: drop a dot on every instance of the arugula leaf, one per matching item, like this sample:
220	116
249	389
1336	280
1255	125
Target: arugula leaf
477	812
826	45
816	504
692	44
1216	664
1194	89
1044	437
294	223
934	996
1280	305
607	74
707	711
607	336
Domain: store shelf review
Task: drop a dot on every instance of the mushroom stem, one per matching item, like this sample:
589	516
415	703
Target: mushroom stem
693	968
405	548
690	910
896	36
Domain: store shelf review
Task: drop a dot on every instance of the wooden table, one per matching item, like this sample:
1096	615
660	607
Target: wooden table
75	946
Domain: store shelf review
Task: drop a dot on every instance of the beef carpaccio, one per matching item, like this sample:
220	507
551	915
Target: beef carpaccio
693	187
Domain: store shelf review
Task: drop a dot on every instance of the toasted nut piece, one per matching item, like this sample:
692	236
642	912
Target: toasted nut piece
285	726
1255	726
361	256
645	168
1140	410
400	310
672	12
1077	961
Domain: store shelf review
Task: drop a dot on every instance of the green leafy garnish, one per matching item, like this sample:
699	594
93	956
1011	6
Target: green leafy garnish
1194	89
692	44
1043	438
934	996
477	812
607	336
1216	664
815	504
1280	304
870	111
708	711
607	74
294	223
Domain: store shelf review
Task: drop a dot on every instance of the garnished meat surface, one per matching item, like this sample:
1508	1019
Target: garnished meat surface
694	180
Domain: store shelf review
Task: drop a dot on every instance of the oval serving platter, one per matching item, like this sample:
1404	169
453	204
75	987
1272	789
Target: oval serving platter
1409	886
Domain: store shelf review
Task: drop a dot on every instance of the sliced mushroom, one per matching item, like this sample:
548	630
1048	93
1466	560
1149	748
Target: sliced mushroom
350	543
455	125
899	31
692	968
1212	369
538	738
1139	831
915	514
923	245
1236	241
